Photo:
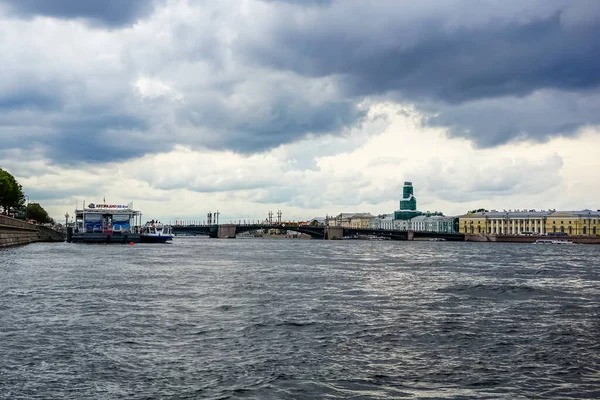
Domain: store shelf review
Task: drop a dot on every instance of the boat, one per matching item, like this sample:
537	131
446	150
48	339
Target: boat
156	232
552	241
115	223
105	223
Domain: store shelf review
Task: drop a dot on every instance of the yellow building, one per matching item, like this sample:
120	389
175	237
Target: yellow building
582	223
352	220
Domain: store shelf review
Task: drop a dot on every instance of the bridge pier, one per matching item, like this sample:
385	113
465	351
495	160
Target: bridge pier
334	232
226	231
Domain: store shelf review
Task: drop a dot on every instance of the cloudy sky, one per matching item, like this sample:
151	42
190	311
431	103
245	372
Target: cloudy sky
311	107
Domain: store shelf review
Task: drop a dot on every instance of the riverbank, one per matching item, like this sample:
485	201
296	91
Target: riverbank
530	238
14	232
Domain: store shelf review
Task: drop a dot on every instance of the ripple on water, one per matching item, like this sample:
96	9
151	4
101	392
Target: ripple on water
263	319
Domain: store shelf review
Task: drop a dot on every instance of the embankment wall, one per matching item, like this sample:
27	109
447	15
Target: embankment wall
529	238
14	232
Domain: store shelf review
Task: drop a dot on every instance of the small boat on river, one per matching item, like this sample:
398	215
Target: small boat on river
552	241
156	232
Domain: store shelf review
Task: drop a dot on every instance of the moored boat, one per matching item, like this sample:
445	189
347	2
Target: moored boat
552	241
156	232
105	223
115	223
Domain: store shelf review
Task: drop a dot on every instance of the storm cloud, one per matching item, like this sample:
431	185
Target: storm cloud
479	68
146	76
112	13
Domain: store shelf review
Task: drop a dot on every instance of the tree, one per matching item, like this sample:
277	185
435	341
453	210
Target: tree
478	210
37	212
11	193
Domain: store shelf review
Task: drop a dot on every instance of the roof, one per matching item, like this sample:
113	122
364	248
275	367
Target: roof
424	218
363	215
354	215
108	211
529	214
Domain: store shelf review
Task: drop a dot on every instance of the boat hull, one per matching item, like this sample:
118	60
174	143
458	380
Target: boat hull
125	238
156	239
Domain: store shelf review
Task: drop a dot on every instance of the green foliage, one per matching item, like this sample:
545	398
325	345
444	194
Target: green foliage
478	210
11	193
37	212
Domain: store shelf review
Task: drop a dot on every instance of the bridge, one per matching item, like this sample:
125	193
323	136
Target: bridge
314	231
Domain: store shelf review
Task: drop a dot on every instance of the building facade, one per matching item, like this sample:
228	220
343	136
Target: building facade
582	223
353	220
434	223
385	221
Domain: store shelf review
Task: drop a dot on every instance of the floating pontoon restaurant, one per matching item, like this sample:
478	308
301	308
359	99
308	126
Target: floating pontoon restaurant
106	223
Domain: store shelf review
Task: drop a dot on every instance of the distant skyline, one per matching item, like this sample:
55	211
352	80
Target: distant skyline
309	107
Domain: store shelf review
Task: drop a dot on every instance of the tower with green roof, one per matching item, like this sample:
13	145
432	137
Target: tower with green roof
408	204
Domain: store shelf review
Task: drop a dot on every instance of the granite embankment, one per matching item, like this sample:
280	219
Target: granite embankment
14	232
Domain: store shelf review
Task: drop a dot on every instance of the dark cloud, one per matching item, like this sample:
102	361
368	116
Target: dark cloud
489	71
280	120
85	138
98	138
303	3
28	99
492	122
446	60
106	12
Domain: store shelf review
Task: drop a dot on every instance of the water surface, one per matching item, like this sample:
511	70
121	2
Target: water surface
252	318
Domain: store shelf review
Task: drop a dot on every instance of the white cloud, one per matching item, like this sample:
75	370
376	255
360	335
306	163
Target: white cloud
201	125
365	175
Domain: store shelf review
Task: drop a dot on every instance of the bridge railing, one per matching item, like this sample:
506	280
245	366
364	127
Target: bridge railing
298	225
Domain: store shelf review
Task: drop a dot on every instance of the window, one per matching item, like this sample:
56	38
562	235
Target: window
570	230
585	230
478	229
562	229
594	230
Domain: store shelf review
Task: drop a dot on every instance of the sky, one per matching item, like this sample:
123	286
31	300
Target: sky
311	107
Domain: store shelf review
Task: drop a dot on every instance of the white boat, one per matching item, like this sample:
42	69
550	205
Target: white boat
156	232
552	241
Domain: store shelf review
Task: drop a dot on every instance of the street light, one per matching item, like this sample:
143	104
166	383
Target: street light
66	219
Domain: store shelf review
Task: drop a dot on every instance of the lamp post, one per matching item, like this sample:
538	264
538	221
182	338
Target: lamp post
66	219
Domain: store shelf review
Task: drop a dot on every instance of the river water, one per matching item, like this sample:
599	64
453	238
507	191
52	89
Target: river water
293	319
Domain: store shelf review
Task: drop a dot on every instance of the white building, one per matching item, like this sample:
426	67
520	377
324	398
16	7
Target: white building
434	223
384	221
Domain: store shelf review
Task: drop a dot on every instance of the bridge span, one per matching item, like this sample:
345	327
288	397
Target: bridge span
316	232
